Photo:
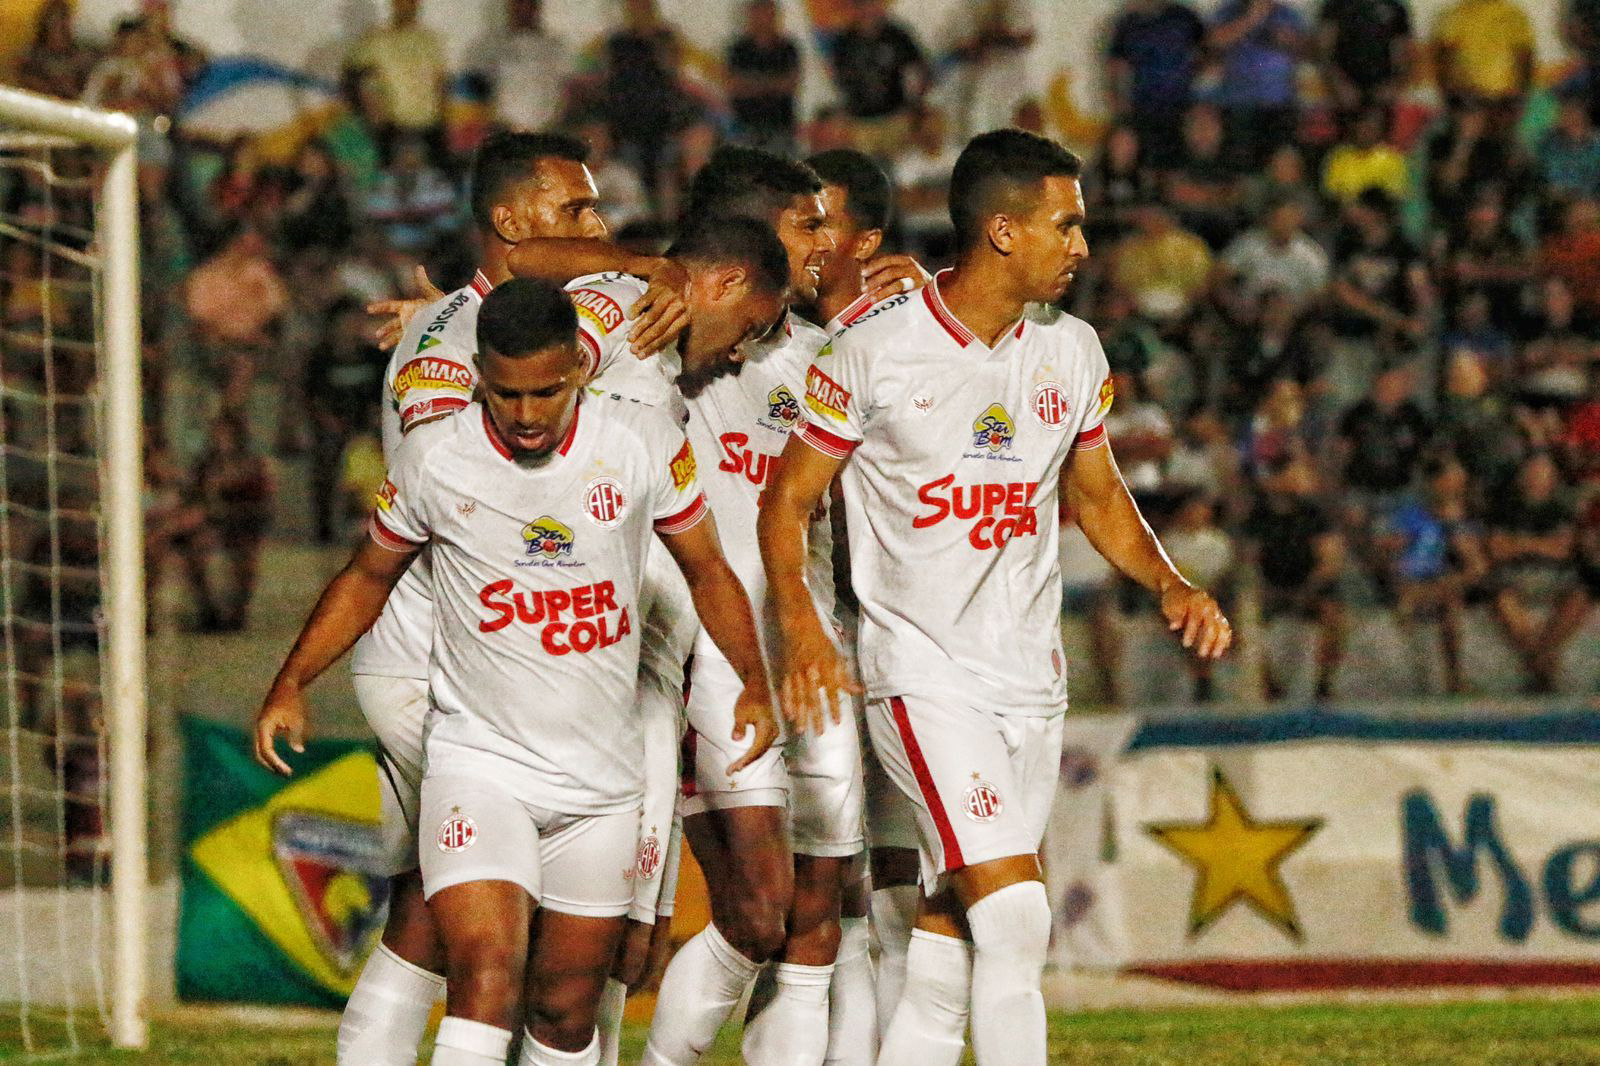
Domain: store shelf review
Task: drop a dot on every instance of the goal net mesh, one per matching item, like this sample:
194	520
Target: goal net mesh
53	849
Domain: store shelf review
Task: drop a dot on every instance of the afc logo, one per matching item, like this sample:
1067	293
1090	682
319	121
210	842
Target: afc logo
1050	404
604	502
547	538
649	861
982	801
782	407
458	833
993	430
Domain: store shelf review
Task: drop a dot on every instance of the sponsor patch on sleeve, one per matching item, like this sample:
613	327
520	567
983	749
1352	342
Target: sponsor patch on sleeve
597	307
427	372
385	496
1108	393
683	468
826	396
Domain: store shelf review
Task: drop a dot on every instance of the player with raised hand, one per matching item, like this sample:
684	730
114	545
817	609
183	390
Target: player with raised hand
533	784
957	419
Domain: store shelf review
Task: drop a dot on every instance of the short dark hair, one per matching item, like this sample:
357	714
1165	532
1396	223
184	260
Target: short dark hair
868	193
743	182
504	158
526	315
994	167
750	242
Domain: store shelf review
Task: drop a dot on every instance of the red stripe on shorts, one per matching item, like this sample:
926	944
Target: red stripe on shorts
930	792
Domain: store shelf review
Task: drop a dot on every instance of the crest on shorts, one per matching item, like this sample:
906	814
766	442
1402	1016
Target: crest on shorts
982	801
547	538
604	502
457	833
993	429
1050	404
649	861
782	407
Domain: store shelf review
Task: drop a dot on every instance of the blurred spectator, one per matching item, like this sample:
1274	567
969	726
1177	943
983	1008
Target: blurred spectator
235	302
921	173
1475	150
529	68
1558	360
1143	433
1573	255
56	64
881	73
829	129
1437	557
237	491
1120	180
1284	177
125	78
1151	64
1260	44
1381	442
317	213
1475	423
1205	461
1382	298
1480	252
993	64
414	203
342	383
1365	47
1580	437
1204	554
1572	609
1299	553
1203	187
763	79
1531	535
1484	49
1164	267
1272	340
641	95
1366	161
355	134
1277	433
408	62
1277	255
621	192
1472	332
1569	155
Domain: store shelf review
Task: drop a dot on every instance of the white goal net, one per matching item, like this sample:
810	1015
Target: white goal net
72	818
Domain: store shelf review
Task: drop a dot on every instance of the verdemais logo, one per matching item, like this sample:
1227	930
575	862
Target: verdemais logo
428	372
548	538
825	395
994	429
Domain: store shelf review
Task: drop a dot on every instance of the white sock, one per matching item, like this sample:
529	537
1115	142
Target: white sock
536	1054
1010	938
852	1009
894	912
793	1029
462	1042
702	985
929	1026
608	1020
387	1012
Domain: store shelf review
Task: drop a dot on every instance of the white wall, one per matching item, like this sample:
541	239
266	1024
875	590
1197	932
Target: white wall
313	34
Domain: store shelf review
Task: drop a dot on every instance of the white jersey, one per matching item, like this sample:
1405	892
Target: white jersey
430	373
955	454
537	567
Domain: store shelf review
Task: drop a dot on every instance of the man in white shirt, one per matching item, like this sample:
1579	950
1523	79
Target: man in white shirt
957	419
533	783
530	67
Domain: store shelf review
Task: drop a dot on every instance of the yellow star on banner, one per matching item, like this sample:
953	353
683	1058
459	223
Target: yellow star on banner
1236	858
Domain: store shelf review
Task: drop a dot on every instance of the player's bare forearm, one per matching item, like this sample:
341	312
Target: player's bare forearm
560	259
719	598
804	477
347	608
1110	518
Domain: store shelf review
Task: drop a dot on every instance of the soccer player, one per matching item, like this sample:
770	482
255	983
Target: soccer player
957	419
540	510
526	189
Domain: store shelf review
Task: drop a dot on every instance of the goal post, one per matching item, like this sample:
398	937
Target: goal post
113	136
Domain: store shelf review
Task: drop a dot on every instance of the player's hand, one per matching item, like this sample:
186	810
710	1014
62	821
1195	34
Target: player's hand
753	711
284	712
400	312
1192	611
815	686
662	312
886	275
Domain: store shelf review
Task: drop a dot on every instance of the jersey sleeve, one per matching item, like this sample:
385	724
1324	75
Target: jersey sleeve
427	386
399	516
1098	397
679	503
834	395
602	304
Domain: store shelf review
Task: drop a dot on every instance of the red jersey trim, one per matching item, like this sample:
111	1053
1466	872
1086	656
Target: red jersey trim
862	305
825	442
1090	438
572	428
941	314
386	538
685	519
494	435
429	409
953	859
591	351
480	285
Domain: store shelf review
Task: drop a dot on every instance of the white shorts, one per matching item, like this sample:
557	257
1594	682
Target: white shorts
818	778
475	830
891	817
982	784
655	871
395	709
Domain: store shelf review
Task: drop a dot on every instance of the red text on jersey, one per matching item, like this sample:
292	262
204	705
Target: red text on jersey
1002	509
600	308
596	621
825	395
429	373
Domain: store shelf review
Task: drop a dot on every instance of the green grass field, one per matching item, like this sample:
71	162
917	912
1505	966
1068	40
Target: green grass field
1523	1033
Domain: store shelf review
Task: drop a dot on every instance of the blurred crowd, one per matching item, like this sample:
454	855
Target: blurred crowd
1346	268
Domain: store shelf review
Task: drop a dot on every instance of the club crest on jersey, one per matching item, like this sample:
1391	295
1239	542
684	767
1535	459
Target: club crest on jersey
782	407
982	801
604	502
457	833
547	538
1050	405
993	430
649	860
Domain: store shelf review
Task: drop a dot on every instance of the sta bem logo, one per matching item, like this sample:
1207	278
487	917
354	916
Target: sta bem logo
993	430
547	538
